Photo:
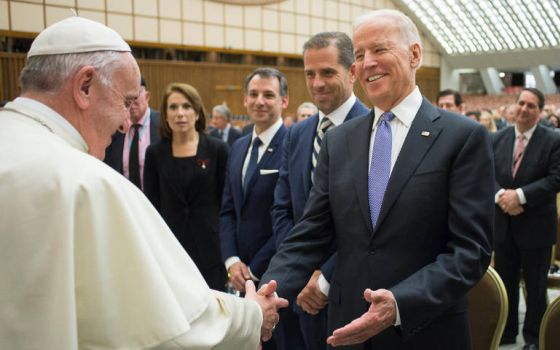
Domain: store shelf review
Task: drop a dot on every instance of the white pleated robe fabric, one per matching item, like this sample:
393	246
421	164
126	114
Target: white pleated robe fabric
86	262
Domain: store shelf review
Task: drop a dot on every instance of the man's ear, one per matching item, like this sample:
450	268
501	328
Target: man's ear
352	73
415	55
82	86
285	101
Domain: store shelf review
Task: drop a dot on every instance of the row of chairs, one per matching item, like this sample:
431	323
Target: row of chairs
488	307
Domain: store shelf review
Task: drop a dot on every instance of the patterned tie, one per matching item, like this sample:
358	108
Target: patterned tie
252	162
380	169
325	125
133	161
518	155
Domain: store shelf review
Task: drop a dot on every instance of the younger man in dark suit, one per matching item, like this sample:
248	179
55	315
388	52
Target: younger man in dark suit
327	58
527	162
143	132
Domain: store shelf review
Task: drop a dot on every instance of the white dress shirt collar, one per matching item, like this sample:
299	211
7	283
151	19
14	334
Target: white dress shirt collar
404	111
267	135
225	132
338	115
527	133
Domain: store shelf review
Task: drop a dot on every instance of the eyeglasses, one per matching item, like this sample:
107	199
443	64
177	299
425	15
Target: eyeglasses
127	100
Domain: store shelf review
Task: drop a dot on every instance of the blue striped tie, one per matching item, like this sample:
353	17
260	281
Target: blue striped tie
380	169
325	125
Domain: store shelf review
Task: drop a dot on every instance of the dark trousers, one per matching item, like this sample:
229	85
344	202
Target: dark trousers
510	260
287	335
313	328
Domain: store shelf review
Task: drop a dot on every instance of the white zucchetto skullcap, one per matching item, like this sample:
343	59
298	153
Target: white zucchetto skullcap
76	35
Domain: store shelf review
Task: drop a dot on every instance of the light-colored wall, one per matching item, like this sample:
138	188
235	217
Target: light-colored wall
275	28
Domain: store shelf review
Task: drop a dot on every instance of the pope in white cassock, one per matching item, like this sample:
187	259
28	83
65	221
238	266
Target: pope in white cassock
86	262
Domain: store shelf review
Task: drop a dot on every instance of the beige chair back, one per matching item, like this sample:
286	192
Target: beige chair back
488	307
549	335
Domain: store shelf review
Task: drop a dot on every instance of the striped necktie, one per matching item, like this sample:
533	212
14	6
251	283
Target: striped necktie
325	125
518	155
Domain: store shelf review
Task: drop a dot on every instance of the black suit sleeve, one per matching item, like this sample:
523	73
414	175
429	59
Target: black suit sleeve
151	177
308	243
282	218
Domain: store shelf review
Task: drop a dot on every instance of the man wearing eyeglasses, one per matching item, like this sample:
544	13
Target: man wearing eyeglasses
127	150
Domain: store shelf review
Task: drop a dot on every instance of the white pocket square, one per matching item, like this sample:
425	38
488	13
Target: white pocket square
268	171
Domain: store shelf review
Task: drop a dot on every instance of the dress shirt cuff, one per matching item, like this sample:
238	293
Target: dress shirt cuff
230	261
497	195
253	277
398	318
324	285
521	196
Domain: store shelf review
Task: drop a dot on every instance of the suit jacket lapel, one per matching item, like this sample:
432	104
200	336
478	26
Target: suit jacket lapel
273	147
237	171
356	110
358	154
413	151
509	142
308	134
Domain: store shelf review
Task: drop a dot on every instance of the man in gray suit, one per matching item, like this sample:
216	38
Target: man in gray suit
406	192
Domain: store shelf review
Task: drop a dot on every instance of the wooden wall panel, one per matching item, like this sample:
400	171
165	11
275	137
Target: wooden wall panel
216	82
11	65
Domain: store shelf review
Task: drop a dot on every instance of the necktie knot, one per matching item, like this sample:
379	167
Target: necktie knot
326	124
386	117
257	142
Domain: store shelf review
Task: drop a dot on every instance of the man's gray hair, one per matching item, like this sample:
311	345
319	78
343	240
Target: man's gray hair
47	73
340	40
223	110
409	32
309	105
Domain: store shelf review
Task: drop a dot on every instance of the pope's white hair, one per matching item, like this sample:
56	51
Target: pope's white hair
47	73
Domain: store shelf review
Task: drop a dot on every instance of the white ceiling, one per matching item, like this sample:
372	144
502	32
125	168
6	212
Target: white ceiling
504	34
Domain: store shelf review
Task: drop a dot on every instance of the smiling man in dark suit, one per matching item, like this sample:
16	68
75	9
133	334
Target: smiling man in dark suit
406	193
327	58
245	223
527	161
